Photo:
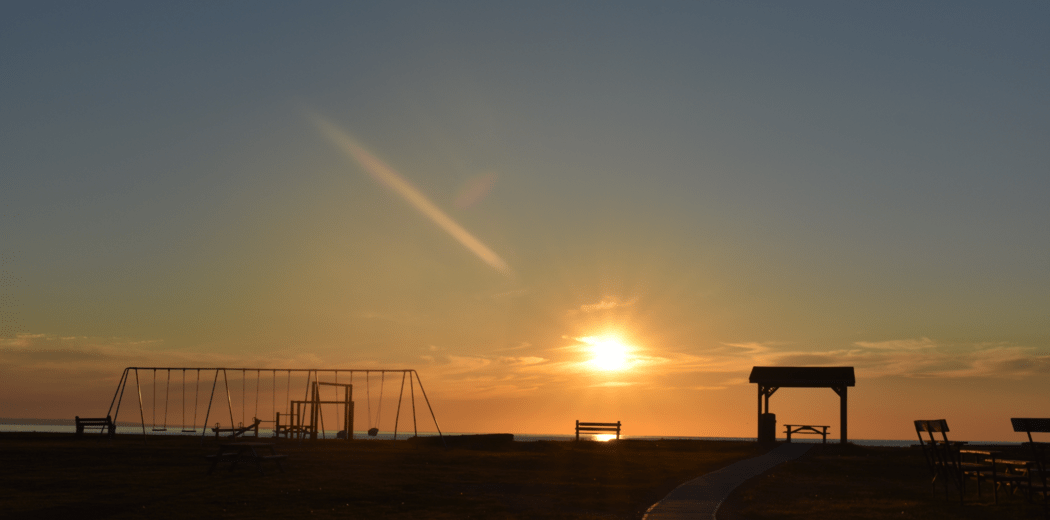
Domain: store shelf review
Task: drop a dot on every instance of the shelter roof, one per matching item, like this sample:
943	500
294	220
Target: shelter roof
804	377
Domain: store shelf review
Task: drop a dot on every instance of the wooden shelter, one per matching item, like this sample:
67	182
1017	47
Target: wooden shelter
770	379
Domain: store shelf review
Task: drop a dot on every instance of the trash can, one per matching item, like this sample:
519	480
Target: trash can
767	428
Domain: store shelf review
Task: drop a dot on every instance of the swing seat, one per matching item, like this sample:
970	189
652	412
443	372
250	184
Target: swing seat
189	431
159	429
372	432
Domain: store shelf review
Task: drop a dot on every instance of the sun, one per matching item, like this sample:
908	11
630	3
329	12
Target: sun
607	353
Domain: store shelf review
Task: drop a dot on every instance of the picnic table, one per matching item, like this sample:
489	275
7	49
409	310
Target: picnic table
1008	473
807	429
255	452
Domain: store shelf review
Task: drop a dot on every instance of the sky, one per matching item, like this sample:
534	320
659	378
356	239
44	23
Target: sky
552	211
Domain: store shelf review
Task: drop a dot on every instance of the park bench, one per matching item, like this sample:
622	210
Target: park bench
1038	480
234	432
597	427
992	467
806	429
104	425
945	458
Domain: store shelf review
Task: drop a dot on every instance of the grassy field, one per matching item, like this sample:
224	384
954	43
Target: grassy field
836	481
55	475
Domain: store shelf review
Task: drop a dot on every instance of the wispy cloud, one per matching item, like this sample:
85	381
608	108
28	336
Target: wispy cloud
390	178
605	304
520	346
898	345
475	189
611	384
918	357
29	353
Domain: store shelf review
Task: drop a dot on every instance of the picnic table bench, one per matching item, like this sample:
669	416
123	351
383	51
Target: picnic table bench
1038	467
236	452
597	427
103	424
806	429
988	465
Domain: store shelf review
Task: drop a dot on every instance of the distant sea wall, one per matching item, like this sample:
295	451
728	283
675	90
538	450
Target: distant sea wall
43	422
52	422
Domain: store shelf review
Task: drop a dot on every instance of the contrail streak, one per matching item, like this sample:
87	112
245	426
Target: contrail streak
393	180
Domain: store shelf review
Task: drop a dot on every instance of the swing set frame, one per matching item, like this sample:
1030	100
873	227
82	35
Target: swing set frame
306	428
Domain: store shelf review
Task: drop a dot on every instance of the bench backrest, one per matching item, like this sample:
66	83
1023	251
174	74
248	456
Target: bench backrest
1040	450
104	424
941	456
931	426
594	427
1031	425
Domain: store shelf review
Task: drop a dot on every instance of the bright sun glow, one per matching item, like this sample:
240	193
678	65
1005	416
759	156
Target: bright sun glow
604	437
607	353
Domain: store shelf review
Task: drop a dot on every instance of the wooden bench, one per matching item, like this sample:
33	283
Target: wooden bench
806	429
597	427
945	459
103	424
1038	468
989	466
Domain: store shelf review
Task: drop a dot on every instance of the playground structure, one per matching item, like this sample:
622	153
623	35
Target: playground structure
294	418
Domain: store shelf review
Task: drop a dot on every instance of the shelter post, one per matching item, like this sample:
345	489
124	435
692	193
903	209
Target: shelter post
758	420
842	412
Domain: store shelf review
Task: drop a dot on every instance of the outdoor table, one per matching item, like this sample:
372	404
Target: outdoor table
1017	471
255	452
807	429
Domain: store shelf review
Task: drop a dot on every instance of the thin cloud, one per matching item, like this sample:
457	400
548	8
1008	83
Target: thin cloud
917	358
522	345
475	189
901	344
605	304
389	177
614	384
51	353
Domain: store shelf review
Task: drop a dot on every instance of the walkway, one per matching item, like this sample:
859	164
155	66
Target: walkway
700	497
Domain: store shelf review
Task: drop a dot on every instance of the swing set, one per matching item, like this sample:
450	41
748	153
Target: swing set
301	418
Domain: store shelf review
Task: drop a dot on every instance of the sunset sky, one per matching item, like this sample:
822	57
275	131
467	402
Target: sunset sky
553	211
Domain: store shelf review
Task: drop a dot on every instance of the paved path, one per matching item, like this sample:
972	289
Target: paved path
700	497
